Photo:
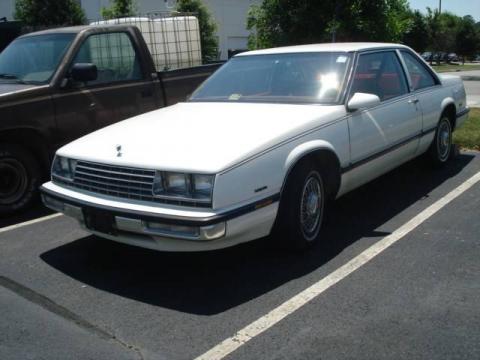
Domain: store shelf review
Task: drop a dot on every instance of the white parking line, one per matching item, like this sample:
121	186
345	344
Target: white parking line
26	223
267	321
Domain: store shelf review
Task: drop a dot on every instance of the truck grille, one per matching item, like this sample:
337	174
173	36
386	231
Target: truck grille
119	181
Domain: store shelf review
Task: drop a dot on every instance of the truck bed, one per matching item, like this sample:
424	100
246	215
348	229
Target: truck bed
177	83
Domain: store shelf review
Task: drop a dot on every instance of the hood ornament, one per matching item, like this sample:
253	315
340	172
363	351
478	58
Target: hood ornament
119	150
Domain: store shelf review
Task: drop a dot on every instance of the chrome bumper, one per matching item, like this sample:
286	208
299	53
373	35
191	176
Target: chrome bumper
164	228
151	227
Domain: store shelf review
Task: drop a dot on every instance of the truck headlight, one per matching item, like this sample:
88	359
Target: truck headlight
64	168
195	187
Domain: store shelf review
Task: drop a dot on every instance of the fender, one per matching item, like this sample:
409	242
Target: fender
333	179
304	149
446	102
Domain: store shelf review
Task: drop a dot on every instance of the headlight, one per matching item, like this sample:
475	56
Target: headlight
196	187
63	167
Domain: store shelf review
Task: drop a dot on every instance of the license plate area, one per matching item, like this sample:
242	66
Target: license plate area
100	221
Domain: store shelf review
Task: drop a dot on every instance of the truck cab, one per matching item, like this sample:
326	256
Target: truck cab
58	85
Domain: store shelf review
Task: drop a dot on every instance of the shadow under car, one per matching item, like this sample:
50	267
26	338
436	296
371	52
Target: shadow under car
212	282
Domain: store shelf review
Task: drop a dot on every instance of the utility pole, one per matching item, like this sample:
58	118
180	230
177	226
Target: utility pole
439	6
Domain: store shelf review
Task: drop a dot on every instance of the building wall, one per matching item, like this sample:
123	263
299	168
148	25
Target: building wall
6	9
231	16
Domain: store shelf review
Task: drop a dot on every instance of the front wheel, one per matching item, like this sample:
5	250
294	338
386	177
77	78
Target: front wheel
442	143
302	208
19	179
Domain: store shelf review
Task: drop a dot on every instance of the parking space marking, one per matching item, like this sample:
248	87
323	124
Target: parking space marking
30	222
288	307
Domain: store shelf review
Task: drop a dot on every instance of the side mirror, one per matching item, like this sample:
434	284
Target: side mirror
362	101
84	72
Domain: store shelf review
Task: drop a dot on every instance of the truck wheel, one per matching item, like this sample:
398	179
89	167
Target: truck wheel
442	143
302	208
19	178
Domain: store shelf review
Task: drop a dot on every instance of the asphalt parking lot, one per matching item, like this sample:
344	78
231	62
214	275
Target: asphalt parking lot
67	295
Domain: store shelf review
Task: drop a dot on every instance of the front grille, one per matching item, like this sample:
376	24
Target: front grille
119	181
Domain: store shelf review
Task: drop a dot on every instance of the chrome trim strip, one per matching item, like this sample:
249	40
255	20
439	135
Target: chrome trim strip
284	142
169	219
463	112
111	178
205	233
116	172
386	150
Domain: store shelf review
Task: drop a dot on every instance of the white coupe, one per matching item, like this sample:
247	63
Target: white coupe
258	148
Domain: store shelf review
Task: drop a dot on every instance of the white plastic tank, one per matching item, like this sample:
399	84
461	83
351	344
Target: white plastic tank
173	41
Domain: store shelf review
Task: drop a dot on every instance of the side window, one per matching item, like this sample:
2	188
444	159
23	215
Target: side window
114	56
380	74
419	75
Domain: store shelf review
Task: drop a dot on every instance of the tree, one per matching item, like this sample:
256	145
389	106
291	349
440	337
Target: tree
119	8
208	27
285	22
417	35
467	38
442	28
49	12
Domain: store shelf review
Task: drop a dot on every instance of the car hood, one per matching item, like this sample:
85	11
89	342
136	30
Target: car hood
7	88
199	137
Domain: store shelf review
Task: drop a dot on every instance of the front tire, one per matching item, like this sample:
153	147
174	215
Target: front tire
442	143
20	178
302	208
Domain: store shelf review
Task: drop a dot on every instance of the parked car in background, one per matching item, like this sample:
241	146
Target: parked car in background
427	56
452	57
259	148
58	85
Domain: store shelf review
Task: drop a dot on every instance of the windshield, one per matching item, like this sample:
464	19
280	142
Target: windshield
282	78
33	59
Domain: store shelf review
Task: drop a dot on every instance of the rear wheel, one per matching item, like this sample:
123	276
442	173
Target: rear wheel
19	178
442	143
302	208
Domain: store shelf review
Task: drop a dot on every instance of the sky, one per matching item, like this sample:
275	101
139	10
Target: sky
458	7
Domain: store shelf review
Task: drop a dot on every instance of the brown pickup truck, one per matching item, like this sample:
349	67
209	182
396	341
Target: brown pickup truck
58	85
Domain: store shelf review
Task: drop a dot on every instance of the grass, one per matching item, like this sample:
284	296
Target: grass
468	136
454	67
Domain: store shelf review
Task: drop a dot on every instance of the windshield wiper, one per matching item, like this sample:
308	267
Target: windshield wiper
12	77
9	76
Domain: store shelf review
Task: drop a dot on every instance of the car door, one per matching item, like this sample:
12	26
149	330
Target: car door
426	88
386	135
121	90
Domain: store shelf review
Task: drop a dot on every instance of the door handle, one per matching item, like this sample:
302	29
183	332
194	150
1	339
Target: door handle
413	101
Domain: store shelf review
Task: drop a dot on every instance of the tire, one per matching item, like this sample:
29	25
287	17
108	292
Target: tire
20	177
301	209
442	143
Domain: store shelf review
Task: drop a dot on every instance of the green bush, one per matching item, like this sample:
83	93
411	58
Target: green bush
119	8
49	12
208	27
